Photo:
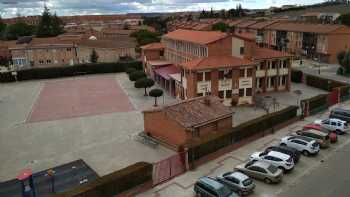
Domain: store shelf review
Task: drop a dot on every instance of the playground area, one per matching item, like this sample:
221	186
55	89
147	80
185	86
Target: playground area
48	123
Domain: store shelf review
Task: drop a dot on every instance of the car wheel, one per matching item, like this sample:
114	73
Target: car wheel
198	194
240	193
283	144
283	169
306	153
339	132
267	180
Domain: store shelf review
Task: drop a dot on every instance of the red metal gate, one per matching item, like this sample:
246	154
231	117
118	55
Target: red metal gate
169	168
333	97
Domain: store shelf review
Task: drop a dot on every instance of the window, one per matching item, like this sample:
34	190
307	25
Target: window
69	49
200	76
241	50
242	73
241	92
207	76
200	94
249	72
233	180
248	92
228	93
48	61
221	94
272	81
221	74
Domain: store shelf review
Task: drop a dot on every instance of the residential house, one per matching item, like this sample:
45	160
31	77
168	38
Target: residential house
321	41
177	124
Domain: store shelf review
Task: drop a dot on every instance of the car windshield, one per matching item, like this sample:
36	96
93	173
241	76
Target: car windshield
247	182
224	191
272	169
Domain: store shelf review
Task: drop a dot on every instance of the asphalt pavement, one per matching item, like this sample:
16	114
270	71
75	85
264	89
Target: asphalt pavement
330	179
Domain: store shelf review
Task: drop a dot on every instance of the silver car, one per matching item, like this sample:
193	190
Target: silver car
237	182
261	170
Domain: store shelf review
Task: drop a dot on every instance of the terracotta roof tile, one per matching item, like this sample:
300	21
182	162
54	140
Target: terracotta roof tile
246	23
305	27
262	25
245	36
153	46
216	62
126	42
195	112
200	37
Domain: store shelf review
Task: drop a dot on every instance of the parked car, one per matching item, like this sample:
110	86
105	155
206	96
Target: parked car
294	153
237	182
320	137
280	160
209	187
261	170
339	126
341	114
303	144
332	134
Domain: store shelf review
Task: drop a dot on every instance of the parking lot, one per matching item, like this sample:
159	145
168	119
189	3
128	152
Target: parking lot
183	185
104	139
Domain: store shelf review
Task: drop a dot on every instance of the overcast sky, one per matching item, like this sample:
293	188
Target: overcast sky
10	8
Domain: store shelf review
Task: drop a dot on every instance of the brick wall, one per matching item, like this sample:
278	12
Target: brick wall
164	129
221	47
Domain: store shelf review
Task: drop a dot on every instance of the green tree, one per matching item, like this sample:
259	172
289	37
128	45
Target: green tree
156	93
2	27
49	25
344	19
19	29
144	83
344	61
221	27
130	70
144	37
93	56
134	76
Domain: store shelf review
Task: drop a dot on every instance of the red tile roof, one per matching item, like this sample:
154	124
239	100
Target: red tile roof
196	112
153	46
167	70
305	27
262	25
216	62
124	42
246	24
265	53
199	37
245	36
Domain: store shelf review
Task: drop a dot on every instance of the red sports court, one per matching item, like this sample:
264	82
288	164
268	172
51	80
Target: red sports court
79	97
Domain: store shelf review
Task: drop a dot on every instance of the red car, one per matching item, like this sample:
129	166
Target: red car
332	135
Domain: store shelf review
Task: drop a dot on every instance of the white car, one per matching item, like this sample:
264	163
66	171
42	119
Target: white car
333	124
303	144
280	160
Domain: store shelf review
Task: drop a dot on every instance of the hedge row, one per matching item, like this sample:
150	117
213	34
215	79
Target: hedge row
317	103
67	71
114	183
322	83
297	76
235	135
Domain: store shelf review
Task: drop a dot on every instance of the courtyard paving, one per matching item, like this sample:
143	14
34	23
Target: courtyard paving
104	141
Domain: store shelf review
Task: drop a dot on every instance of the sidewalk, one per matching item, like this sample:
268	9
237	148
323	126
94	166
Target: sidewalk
327	70
183	185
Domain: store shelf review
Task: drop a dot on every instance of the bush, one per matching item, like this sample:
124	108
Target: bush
115	183
215	142
340	71
130	70
297	76
134	76
67	71
318	82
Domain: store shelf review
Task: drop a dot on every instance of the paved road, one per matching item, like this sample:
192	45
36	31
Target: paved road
330	179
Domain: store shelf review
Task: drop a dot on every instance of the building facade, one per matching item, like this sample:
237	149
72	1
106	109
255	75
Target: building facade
180	123
230	66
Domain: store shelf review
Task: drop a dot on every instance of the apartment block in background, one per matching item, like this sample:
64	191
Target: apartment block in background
321	41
